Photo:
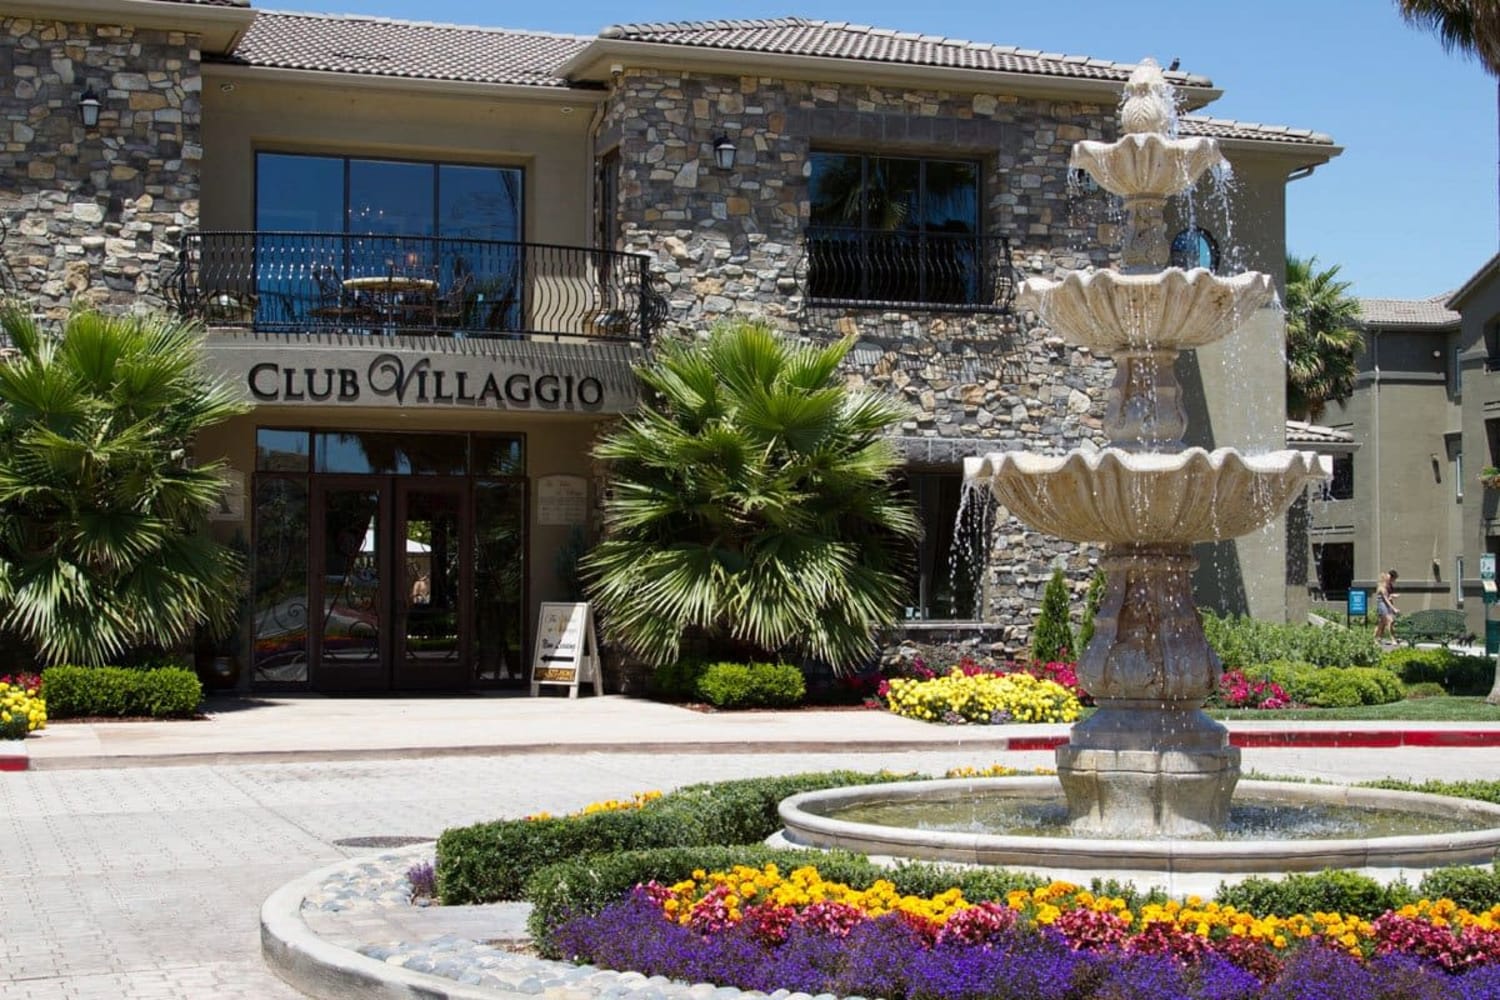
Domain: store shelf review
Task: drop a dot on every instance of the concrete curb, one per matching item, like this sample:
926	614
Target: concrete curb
14	756
307	962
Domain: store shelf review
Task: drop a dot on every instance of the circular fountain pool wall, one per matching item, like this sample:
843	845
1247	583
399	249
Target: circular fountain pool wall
1383	834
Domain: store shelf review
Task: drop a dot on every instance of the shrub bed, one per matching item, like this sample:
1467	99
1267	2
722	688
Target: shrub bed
1332	687
752	685
1244	642
1464	676
160	692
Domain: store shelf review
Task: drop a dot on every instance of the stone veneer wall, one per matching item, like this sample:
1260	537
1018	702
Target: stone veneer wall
95	215
730	243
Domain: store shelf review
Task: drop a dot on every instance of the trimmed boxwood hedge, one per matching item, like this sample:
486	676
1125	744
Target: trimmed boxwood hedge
489	862
160	692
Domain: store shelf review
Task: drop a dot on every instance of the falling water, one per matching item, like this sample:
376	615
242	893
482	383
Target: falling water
968	555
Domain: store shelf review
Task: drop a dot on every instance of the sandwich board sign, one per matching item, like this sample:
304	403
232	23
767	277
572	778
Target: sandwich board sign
566	651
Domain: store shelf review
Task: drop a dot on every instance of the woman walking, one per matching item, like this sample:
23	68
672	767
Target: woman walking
1385	607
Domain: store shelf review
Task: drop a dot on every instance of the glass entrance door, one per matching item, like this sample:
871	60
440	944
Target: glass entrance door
432	582
351	567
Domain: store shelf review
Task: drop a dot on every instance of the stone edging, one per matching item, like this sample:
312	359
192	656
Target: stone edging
319	968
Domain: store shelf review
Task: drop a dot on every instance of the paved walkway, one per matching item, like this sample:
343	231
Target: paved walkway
138	855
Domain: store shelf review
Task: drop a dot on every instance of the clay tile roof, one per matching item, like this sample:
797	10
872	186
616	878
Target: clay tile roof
1228	128
1302	432
1430	313
381	47
842	40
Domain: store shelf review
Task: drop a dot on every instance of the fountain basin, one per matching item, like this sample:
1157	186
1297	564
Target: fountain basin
1178	866
1171	310
1114	496
1146	164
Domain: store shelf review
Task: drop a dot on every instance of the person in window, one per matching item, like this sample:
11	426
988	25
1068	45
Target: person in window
1385	607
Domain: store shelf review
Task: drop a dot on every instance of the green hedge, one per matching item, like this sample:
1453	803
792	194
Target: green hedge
752	685
161	692
488	862
1242	643
1332	687
1469	676
730	685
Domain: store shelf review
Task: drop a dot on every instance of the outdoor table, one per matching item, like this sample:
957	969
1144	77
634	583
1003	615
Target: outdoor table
390	292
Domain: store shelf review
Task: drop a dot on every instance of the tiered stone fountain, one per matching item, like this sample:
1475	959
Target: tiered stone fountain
1149	768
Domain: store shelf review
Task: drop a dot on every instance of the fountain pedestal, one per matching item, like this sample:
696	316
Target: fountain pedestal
1148	762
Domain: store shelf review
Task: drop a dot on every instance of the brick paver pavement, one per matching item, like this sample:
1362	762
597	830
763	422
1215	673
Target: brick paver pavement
146	882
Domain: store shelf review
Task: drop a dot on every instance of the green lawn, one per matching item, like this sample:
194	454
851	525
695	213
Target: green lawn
1446	709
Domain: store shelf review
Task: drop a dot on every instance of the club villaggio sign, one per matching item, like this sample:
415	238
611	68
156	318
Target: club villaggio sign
532	379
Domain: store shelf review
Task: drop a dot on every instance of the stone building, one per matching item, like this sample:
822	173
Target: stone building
429	255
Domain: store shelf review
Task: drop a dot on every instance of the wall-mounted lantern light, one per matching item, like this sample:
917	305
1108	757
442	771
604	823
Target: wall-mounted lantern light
88	108
723	153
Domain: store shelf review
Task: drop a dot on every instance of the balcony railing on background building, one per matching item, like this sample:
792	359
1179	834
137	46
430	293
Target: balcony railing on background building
923	271
289	282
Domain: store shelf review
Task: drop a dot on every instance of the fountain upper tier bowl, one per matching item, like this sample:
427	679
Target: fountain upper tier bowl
1130	498
1146	164
1107	311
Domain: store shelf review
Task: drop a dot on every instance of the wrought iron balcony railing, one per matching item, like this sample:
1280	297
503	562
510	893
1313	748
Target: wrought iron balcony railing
289	282
882	269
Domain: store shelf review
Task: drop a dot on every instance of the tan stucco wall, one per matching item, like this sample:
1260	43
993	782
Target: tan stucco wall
265	115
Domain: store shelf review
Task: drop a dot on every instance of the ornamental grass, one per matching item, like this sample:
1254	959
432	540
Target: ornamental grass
756	928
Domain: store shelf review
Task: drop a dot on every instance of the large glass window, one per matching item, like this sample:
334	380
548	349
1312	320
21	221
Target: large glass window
335	219
894	229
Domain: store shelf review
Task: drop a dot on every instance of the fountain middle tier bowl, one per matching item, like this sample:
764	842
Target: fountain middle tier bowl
1107	311
1121	497
1146	164
1275	828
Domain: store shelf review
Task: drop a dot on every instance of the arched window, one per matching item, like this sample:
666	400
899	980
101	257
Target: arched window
1193	247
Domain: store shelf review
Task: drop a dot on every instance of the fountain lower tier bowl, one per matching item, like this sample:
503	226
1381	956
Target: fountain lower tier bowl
1282	827
1171	310
1133	498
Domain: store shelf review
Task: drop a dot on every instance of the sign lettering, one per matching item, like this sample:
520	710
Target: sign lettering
419	381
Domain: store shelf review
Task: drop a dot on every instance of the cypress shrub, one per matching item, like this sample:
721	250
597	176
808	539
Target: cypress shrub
1090	609
1052	639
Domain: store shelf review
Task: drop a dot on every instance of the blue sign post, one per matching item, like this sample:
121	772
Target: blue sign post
1358	605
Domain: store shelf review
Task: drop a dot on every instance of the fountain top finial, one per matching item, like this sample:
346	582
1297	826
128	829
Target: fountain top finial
1147	105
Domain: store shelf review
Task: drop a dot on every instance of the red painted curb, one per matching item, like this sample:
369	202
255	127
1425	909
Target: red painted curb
1330	738
14	763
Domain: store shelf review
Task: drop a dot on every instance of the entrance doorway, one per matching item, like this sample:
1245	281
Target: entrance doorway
407	574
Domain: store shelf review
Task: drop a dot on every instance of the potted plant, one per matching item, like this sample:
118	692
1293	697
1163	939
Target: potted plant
1489	477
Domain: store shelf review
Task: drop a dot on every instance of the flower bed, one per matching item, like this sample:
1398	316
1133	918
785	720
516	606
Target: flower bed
982	696
758	929
22	709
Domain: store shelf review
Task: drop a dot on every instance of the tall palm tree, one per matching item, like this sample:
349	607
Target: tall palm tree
1323	338
752	504
102	513
1471	27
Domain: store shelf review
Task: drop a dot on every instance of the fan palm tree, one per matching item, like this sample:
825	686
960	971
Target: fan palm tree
752	504
1470	27
102	547
1323	338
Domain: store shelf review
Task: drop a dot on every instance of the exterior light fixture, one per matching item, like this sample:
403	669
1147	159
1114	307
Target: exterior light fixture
723	153
88	108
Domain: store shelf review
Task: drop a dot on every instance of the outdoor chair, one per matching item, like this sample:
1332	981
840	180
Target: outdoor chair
455	304
334	304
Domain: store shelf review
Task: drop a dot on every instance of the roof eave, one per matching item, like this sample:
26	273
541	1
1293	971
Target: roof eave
218	27
405	84
1472	285
594	62
1299	155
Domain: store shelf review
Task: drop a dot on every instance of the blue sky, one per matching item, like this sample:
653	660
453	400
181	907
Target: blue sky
1408	211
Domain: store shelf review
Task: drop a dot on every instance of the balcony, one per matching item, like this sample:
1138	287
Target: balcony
300	283
892	270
